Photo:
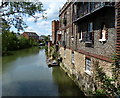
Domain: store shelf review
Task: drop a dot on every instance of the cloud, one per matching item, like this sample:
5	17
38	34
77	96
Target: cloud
30	19
52	11
31	29
44	27
43	24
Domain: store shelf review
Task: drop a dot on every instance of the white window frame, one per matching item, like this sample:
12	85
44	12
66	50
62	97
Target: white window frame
81	38
103	38
88	66
103	35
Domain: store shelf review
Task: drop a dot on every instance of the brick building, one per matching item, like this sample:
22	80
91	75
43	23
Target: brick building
89	34
55	28
29	35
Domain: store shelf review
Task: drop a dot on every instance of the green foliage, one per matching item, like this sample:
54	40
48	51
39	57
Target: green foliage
109	85
55	55
13	12
46	50
4	25
11	42
100	92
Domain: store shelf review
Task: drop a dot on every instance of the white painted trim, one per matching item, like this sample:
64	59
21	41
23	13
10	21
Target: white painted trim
88	72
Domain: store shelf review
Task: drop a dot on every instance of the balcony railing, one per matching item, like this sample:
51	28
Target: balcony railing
90	7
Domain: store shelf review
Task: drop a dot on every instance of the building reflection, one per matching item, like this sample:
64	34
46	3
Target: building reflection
66	86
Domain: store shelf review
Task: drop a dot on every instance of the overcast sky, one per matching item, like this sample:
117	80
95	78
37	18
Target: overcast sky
43	26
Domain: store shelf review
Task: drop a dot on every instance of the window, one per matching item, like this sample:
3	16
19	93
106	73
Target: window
103	33
90	27
65	19
89	33
64	53
80	36
80	33
65	37
88	66
72	57
92	6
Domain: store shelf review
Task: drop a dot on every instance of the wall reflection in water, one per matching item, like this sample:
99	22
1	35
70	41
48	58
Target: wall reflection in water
66	86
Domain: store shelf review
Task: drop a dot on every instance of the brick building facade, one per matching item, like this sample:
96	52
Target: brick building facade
32	35
55	28
89	34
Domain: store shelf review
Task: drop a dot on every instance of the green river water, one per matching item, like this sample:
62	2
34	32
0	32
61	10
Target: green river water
25	73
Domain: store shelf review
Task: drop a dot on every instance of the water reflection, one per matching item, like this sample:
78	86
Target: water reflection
25	73
66	87
19	54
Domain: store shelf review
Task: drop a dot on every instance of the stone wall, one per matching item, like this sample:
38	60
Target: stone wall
109	47
66	30
77	72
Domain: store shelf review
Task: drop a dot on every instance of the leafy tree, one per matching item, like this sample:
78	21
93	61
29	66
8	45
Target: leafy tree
11	42
12	15
13	12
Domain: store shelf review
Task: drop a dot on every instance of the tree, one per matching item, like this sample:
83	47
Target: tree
13	13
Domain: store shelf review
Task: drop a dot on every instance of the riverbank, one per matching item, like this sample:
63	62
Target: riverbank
8	53
12	41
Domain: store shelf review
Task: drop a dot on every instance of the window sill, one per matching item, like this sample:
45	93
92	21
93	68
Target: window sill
88	72
88	42
73	62
102	40
80	40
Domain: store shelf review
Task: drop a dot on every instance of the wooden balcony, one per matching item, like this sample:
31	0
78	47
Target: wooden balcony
87	8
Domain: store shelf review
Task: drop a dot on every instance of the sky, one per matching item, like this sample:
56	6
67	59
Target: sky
44	26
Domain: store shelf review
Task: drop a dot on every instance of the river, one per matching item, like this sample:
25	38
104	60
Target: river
25	73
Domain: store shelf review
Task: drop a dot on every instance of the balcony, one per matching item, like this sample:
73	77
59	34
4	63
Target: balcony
87	8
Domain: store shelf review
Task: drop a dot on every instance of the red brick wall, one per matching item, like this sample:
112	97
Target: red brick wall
25	35
55	27
118	29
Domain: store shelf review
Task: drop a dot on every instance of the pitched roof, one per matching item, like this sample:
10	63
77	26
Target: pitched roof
31	33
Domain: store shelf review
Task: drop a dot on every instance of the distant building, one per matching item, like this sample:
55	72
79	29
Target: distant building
55	28
29	35
41	38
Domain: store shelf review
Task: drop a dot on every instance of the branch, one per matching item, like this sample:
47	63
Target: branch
3	4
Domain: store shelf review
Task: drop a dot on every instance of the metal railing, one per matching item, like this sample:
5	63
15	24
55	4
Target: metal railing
90	7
